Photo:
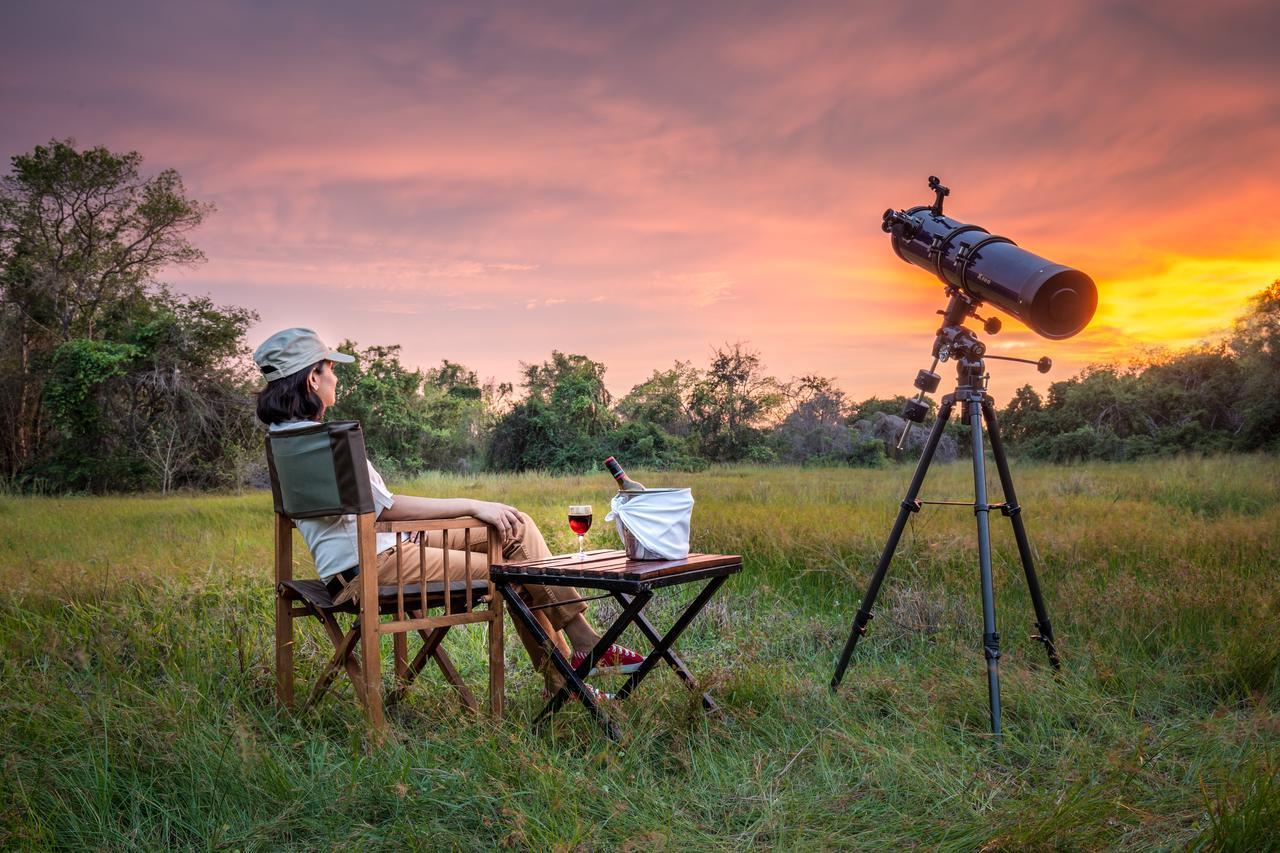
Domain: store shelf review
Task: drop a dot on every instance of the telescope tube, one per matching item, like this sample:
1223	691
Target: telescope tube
1053	300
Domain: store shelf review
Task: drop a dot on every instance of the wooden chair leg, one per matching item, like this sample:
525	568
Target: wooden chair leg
370	636
284	652
284	611
497	661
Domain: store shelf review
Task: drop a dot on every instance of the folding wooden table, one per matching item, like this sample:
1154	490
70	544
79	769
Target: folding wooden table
632	583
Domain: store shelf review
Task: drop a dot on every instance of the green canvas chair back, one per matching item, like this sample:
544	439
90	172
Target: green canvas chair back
319	470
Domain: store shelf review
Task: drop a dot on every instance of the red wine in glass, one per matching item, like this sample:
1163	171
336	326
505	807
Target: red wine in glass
580	523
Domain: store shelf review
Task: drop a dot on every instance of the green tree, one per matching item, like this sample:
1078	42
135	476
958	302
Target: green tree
816	429
641	444
76	392
527	438
731	404
82	237
413	420
185	409
1192	399
562	424
162	403
455	380
662	399
573	386
1256	345
1019	420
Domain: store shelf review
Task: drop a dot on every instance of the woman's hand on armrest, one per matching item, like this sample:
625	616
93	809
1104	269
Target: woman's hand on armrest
505	518
409	508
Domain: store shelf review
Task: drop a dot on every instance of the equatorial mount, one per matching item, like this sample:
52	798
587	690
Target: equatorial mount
956	342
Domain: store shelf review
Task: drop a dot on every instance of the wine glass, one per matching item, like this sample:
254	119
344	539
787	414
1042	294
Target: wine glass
580	523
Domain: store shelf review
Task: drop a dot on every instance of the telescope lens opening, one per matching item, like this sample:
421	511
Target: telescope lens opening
1064	304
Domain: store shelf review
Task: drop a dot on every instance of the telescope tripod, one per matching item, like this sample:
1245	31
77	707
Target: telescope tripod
978	409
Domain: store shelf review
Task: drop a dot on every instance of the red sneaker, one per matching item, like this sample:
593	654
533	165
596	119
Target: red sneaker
617	659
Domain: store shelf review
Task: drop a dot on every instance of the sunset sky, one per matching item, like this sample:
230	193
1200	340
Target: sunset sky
640	182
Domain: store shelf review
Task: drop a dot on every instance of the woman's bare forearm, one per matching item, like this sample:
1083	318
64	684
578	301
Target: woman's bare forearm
506	519
410	507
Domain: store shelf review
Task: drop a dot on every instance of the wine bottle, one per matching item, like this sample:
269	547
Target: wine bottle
625	483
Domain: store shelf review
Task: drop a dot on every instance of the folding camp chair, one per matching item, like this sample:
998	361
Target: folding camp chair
321	471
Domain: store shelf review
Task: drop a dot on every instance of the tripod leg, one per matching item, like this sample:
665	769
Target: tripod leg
908	506
982	511
1014	511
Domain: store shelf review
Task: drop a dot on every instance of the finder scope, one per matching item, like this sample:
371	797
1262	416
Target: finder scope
1053	300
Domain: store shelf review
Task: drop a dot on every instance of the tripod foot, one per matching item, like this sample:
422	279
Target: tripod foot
1044	635
859	630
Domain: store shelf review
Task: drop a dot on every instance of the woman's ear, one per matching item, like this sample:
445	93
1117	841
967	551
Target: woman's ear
313	379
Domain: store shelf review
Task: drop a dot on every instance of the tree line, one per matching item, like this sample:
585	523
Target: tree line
1211	398
109	381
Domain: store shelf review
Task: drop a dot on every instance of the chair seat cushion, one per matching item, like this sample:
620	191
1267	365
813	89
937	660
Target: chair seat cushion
316	593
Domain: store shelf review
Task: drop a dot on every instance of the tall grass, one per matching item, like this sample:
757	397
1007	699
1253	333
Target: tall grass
136	703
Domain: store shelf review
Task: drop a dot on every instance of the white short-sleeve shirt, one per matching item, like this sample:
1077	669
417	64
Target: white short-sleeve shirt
333	539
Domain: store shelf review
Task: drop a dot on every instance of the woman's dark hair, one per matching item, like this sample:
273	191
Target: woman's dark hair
289	399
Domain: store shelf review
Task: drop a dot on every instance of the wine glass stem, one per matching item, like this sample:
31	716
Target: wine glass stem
581	545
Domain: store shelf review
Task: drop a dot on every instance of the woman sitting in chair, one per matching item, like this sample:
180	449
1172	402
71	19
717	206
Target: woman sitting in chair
301	386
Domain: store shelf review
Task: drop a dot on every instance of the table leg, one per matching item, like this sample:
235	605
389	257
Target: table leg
664	644
630	613
521	611
611	634
672	659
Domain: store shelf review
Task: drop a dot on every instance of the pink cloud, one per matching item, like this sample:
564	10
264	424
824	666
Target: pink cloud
490	182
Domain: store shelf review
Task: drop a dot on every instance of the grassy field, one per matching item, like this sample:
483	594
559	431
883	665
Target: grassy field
136	680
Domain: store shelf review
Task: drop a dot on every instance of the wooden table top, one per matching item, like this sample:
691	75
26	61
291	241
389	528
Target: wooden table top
615	564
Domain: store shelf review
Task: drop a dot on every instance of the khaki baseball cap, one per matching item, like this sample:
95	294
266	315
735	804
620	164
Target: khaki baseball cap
285	353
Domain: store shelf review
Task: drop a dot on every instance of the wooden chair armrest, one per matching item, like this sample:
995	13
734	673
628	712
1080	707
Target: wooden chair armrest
414	525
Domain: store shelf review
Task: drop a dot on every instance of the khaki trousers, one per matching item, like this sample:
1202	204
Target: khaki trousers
427	563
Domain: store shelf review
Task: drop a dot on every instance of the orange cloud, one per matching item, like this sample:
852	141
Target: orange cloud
488	181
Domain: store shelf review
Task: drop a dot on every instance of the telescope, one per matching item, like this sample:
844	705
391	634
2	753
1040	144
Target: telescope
1053	300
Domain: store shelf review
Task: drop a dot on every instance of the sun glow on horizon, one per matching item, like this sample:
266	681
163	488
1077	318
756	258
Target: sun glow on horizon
1192	300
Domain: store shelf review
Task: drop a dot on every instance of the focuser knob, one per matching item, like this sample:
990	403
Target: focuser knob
898	218
1045	364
